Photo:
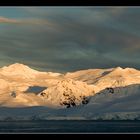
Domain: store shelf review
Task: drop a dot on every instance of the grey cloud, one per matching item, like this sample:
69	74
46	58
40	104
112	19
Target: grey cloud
7	20
28	21
75	39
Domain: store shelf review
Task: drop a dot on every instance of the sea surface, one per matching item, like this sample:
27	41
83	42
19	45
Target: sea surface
63	126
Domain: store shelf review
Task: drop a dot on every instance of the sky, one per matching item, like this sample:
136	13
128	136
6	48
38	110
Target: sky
62	39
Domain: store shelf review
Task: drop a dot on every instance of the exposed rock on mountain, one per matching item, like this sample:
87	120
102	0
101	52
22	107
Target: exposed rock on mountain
68	93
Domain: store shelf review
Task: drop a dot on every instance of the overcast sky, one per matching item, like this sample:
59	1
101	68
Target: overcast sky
61	39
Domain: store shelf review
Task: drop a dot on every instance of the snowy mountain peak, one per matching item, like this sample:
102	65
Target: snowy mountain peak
118	68
124	71
17	66
67	92
18	69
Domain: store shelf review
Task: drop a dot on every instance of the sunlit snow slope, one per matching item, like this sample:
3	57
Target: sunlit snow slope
112	93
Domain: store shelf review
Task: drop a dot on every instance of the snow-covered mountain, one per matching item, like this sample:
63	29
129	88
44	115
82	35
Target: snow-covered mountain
102	78
18	69
67	92
87	94
23	71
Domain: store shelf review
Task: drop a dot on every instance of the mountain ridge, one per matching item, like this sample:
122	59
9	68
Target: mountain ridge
81	91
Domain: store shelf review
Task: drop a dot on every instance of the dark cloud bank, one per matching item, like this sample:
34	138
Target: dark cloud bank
70	39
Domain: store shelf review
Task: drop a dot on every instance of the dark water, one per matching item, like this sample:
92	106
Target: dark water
70	127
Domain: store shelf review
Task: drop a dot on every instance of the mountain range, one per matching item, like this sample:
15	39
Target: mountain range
93	94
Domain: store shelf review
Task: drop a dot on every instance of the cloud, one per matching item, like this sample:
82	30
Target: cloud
31	21
69	39
8	20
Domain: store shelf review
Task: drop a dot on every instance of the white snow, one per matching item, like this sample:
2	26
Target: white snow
66	89
18	70
112	94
